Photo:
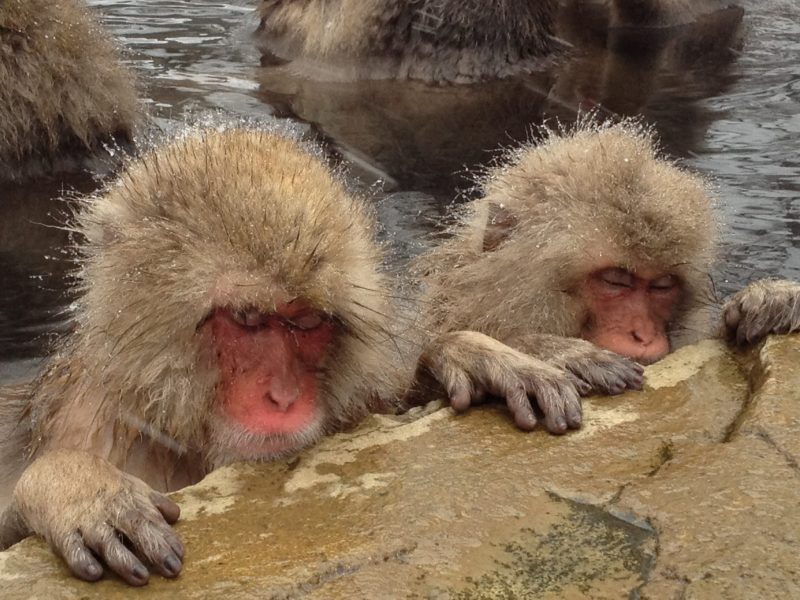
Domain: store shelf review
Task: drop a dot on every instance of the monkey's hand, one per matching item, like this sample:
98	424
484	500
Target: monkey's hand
470	365
763	307
88	509
593	369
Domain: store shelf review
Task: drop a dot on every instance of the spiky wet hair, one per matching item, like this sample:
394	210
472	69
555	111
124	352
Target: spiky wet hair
62	85
596	195
217	217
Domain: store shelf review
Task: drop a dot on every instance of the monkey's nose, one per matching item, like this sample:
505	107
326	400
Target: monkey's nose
282	394
643	332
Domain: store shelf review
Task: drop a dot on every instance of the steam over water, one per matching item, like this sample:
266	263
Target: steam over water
737	120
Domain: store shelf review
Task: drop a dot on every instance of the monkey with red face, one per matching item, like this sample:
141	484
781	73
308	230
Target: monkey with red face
587	246
233	307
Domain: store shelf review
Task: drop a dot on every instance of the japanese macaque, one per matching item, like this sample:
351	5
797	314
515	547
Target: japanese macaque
585	243
452	41
63	90
233	307
438	40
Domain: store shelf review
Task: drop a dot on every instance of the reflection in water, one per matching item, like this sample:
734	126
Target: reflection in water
415	136
424	136
734	115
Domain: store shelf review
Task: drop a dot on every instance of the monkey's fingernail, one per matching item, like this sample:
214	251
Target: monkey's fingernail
172	565
179	550
93	571
139	572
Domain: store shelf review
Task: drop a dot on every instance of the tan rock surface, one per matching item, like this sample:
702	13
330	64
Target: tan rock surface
688	490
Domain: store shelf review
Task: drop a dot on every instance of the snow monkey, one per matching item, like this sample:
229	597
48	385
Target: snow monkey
439	40
589	242
453	41
233	307
62	87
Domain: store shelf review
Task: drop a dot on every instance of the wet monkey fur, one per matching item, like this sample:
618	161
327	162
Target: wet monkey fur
438	40
584	249
63	89
233	307
444	41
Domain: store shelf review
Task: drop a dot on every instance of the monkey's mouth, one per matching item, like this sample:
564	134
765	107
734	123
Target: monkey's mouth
269	446
240	444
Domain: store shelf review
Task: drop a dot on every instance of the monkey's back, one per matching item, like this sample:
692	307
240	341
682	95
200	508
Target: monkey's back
440	40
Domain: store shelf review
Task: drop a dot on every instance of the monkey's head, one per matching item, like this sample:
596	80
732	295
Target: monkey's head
232	295
590	234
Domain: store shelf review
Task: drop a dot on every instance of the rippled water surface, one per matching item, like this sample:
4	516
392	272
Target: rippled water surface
734	116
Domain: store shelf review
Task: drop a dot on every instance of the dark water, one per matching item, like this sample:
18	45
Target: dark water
726	105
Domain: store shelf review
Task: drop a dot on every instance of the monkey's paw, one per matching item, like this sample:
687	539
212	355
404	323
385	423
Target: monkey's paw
763	307
598	371
470	365
87	509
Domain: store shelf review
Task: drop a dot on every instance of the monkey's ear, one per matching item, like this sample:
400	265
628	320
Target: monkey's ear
500	222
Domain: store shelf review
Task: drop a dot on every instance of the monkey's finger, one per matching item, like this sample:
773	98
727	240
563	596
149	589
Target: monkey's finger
79	559
459	391
584	387
751	328
618	374
732	315
553	399
155	541
520	406
168	509
614	384
573	412
103	540
175	543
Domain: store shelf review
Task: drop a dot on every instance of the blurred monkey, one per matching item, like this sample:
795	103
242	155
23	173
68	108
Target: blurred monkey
63	89
446	41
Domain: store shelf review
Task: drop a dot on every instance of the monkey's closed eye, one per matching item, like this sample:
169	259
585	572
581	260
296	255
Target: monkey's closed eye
307	321
616	277
250	318
665	283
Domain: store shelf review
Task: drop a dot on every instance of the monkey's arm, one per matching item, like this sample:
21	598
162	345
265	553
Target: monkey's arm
470	365
83	506
763	307
593	369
